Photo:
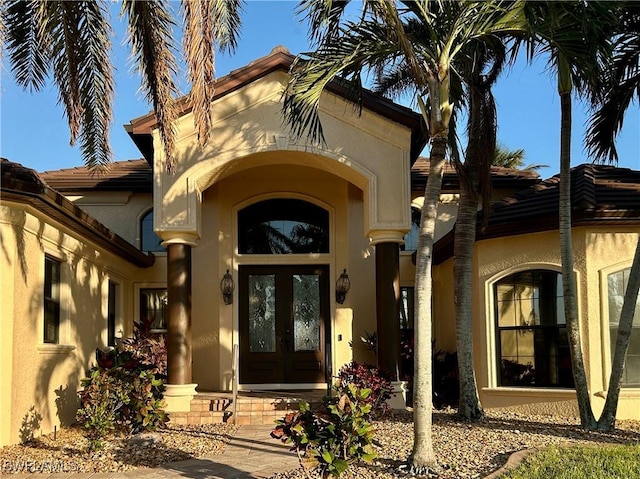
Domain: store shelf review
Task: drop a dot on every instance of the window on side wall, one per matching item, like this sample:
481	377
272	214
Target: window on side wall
51	300
531	333
150	242
616	287
406	308
406	331
411	238
153	308
112	303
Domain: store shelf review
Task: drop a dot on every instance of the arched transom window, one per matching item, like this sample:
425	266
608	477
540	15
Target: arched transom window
283	226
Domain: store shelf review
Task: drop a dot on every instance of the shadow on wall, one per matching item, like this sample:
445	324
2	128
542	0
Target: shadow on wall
57	381
30	425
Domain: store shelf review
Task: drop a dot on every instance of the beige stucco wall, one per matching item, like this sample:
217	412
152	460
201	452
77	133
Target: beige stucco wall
120	211
38	382
361	176
368	151
214	324
596	251
607	251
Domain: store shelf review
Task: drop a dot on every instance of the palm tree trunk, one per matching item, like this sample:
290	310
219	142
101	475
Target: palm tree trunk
464	240
569	288
607	420
423	455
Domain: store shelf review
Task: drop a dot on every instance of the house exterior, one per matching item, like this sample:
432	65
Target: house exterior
279	221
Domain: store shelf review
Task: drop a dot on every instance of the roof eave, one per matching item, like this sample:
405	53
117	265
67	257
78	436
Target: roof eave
49	201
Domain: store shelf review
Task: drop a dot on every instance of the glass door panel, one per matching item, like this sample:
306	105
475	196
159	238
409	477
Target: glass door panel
262	313
284	315
306	312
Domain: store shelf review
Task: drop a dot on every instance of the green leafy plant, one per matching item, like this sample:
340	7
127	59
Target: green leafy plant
99	401
120	394
333	437
147	347
365	376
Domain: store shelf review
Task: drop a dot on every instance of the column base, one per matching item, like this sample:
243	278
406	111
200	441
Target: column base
399	400
178	397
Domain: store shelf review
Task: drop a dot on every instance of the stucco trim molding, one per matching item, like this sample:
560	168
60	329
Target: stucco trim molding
55	348
178	237
531	392
625	393
386	236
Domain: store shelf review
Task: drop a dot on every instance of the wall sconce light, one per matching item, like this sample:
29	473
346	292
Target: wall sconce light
227	286
342	287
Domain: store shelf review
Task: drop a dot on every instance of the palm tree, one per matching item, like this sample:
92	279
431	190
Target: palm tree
507	158
619	87
513	159
486	61
378	41
575	35
71	40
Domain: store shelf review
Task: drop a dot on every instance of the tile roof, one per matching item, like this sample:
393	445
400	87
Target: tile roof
130	175
23	185
600	195
501	177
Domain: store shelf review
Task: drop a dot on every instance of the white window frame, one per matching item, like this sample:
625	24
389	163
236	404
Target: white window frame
118	326
63	345
606	331
136	300
491	364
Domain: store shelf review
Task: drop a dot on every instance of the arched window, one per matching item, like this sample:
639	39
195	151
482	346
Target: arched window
411	238
149	240
283	226
532	343
616	287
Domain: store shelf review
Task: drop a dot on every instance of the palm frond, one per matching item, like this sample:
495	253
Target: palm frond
200	53
82	71
150	35
96	82
208	24
507	158
226	23
26	42
361	47
323	17
617	89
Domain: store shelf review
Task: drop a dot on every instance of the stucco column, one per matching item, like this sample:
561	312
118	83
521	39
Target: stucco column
179	313
179	389
387	301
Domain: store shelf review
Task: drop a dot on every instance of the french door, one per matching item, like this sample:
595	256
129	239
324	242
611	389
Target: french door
284	323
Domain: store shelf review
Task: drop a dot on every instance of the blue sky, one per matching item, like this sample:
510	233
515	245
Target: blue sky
34	132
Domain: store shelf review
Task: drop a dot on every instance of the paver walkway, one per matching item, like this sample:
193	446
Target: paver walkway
250	454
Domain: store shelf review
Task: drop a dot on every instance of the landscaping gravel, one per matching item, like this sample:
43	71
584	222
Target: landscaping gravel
67	451
473	450
464	450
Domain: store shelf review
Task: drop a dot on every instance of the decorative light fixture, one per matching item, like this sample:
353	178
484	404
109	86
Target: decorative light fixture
342	287
227	286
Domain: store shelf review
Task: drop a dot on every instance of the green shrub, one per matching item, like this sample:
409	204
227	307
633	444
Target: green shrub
335	436
98	401
365	376
120	394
